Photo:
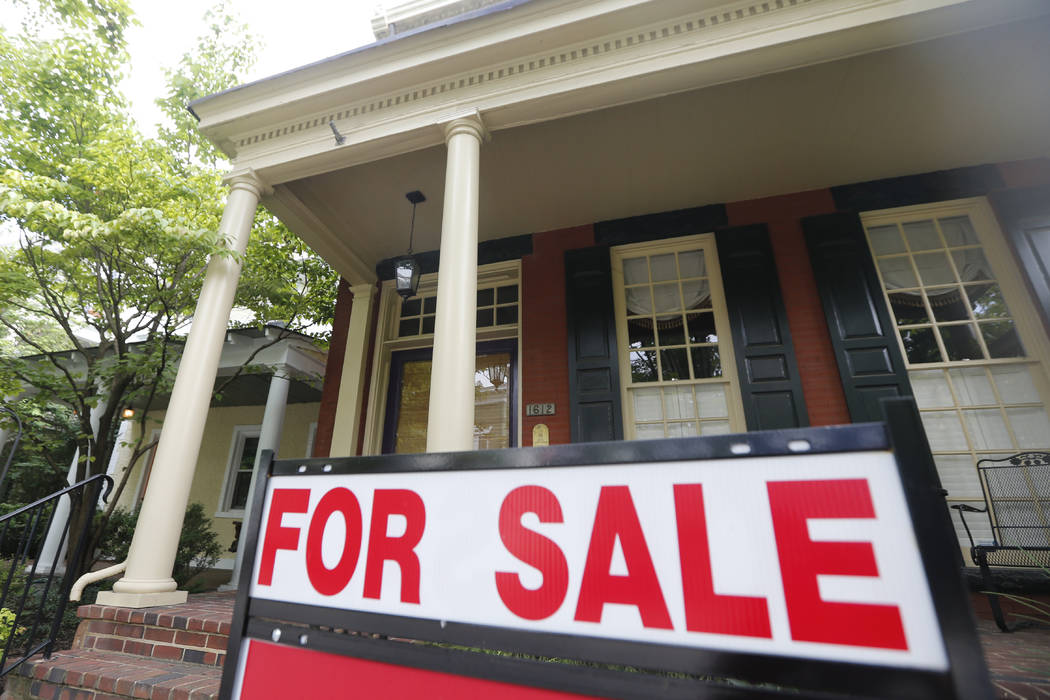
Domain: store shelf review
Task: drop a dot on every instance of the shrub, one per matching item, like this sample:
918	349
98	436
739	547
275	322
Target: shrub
198	550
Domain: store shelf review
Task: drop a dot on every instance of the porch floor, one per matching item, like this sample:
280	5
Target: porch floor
1019	661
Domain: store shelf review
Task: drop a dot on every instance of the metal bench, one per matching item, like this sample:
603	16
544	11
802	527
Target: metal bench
1017	502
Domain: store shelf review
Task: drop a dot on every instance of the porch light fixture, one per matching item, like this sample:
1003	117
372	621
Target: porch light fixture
406	268
128	413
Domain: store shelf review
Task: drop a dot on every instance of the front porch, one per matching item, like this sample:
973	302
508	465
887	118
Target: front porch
175	653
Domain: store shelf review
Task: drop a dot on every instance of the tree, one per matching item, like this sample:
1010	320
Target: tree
114	228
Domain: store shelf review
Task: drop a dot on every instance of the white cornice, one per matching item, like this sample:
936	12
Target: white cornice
629	61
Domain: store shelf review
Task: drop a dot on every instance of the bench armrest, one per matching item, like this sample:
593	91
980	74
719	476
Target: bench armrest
968	508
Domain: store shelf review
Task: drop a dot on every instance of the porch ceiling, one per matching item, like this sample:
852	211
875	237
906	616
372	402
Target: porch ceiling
972	98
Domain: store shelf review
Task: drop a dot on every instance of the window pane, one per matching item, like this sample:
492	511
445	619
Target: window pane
506	314
934	268
897	273
635	271
485	297
671	330
692	264
921	235
948	304
640	333
639	300
908	308
408	327
679	403
959	475
920	345
714	427
413	405
492	401
972	386
1014	383
507	295
972	265
682	429
662	267
666	298
886	240
410	307
943	431
251	446
960	342
1001	339
1030	425
697	295
652	431
674	364
643	366
930	388
987	429
241	485
702	328
712	400
428	324
706	362
430	305
986	301
647	404
484	318
958	230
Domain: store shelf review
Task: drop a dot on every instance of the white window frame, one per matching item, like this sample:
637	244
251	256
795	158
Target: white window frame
705	242
387	342
240	434
1027	323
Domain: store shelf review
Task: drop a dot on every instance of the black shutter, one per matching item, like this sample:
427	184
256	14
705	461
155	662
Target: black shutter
862	331
1025	214
594	376
765	356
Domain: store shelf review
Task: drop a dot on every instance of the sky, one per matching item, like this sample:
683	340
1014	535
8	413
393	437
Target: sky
293	34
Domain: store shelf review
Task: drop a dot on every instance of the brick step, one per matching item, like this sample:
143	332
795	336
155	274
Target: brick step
90	674
194	632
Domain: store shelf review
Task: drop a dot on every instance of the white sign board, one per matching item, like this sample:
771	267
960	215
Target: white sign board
809	556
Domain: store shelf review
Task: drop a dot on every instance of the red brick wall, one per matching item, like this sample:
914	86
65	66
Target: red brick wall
821	386
544	337
333	371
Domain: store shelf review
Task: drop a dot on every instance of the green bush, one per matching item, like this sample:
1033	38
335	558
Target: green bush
199	547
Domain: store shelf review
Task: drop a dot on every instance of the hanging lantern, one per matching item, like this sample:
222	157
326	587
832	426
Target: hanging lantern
406	267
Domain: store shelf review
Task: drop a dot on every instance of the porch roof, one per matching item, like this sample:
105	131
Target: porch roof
609	108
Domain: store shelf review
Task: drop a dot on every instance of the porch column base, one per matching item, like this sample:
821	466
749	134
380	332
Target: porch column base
140	600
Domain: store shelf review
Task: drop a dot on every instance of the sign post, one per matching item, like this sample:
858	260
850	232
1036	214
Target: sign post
809	560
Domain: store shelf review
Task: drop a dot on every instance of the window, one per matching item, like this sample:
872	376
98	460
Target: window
676	365
398	405
974	349
409	398
239	470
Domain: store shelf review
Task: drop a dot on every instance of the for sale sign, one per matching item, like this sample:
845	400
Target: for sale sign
798	557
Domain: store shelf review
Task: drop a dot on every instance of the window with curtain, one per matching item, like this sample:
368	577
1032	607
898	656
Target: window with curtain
670	325
980	389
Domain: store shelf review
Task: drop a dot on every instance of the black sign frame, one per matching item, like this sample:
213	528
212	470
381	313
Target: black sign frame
753	674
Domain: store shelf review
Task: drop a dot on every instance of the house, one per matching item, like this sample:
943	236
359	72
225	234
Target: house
651	219
269	384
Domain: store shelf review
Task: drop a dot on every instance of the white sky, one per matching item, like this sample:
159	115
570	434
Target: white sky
293	34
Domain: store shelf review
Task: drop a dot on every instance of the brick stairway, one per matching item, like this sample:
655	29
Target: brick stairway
170	653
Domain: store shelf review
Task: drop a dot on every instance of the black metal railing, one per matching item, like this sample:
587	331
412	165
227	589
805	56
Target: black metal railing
34	593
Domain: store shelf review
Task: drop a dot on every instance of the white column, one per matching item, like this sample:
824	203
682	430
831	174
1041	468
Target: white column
347	423
53	552
147	580
450	425
269	439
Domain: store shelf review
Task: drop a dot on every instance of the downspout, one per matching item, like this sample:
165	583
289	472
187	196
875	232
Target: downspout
78	586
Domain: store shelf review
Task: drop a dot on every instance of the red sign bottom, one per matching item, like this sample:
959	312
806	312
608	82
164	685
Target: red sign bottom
278	671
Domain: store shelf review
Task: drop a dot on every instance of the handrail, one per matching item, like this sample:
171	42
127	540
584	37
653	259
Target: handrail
32	602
